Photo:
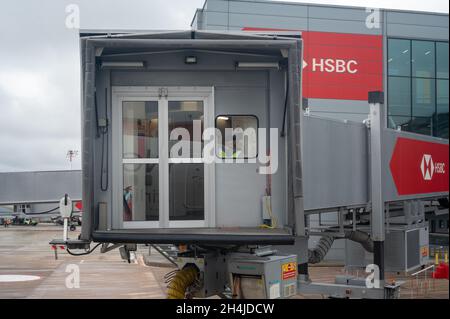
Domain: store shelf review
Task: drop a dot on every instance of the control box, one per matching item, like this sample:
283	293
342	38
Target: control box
265	277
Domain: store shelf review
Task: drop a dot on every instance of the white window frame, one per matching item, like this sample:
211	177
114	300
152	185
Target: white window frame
127	93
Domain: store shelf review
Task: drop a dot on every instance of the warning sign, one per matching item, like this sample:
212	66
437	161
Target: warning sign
288	270
424	251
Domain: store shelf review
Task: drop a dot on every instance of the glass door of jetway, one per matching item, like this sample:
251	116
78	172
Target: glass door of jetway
160	176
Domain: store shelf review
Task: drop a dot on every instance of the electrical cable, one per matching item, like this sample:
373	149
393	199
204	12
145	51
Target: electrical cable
96	114
283	127
85	253
104	181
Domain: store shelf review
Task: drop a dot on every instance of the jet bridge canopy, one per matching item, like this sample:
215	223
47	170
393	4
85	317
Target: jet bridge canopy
259	90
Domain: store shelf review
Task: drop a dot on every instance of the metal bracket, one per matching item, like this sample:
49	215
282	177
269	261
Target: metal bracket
163	92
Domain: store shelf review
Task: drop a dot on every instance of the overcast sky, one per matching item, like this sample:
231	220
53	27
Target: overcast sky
39	67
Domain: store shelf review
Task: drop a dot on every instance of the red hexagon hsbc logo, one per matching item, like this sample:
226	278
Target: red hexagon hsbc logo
419	167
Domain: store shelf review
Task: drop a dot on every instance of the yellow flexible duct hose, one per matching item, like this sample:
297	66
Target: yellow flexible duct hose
182	280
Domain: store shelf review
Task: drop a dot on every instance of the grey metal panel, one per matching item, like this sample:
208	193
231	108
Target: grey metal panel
340	26
176	61
344	20
417	31
343	116
223	79
339	106
417	25
335	163
216	27
216	5
279	185
269	8
88	67
273	21
412	248
35	187
239	187
238	193
343	13
394	253
219	18
413	18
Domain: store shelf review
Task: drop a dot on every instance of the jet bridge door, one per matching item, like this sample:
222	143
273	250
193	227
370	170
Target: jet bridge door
156	186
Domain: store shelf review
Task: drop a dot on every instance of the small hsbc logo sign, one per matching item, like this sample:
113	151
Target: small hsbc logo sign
428	167
419	167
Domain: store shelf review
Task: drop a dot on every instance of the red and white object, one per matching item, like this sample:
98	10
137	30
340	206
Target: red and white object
341	66
419	167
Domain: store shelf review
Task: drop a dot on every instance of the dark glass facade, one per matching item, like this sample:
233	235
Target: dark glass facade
418	99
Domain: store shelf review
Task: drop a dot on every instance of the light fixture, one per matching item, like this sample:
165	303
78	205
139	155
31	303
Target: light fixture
190	60
258	65
122	64
223	118
428	52
406	51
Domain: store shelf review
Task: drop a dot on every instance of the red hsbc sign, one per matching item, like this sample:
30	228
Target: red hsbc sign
340	66
419	167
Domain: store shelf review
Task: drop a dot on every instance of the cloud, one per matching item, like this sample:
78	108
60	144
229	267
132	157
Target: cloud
39	71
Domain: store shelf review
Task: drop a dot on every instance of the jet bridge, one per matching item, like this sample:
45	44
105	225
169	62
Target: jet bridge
139	88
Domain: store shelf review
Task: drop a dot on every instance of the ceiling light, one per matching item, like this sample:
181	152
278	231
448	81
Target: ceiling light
258	65
117	64
190	60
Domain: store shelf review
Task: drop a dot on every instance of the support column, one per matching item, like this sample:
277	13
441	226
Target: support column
378	257
377	125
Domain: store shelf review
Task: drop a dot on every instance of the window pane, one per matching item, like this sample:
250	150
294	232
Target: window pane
442	96
424	103
399	57
441	126
140	192
399	122
420	125
182	115
442	60
186	192
140	129
239	136
423	59
399	96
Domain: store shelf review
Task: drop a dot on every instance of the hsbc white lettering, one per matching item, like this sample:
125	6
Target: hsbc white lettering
332	65
428	167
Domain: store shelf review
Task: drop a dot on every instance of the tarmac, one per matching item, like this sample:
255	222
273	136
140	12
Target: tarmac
28	269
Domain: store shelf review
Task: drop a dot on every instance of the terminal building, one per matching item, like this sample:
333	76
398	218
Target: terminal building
349	51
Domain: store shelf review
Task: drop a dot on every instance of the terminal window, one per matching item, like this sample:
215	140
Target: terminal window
418	76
